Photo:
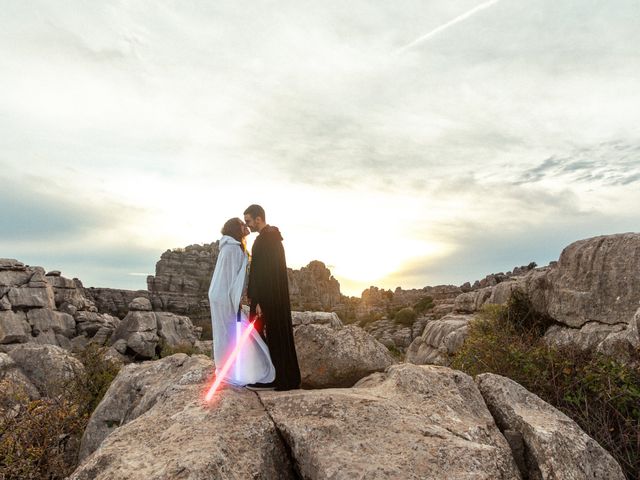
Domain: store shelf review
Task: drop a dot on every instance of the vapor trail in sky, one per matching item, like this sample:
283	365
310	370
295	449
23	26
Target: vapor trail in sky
439	29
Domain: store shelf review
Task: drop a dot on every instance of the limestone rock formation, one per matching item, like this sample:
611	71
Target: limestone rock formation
13	380
596	280
337	357
47	367
145	332
410	422
440	339
313	288
136	388
554	446
168	431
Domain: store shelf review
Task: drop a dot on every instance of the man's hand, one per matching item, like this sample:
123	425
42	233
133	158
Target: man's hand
258	310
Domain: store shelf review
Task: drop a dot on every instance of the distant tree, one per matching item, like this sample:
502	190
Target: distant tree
406	316
424	304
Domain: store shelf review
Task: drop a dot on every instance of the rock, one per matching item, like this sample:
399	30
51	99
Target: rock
43	320
175	330
11	264
410	422
48	367
586	338
139	329
14	327
554	446
90	323
13	382
140	304
113	301
54	273
14	278
471	301
204	347
317	318
340	357
624	344
5	304
439	340
313	287
26	297
182	438
136	388
596	280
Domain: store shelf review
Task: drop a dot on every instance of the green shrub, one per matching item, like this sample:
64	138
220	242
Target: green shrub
424	304
406	316
41	438
601	394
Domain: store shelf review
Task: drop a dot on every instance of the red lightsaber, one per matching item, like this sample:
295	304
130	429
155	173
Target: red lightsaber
227	365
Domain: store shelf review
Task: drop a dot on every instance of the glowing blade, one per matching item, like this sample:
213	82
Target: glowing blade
227	365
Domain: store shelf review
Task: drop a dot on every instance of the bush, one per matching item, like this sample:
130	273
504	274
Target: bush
424	304
41	438
168	350
406	316
601	394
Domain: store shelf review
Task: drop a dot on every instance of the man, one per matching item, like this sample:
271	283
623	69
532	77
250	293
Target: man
268	293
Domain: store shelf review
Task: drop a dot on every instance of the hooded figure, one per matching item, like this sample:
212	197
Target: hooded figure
253	363
269	288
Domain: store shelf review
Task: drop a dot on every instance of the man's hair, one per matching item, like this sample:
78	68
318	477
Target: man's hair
255	211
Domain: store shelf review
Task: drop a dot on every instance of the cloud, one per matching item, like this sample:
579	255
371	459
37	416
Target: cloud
612	163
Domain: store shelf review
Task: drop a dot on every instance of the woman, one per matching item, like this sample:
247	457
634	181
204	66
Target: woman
253	363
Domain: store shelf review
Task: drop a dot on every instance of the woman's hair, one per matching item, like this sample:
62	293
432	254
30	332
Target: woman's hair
233	228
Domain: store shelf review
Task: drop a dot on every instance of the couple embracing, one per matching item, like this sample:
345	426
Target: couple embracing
266	360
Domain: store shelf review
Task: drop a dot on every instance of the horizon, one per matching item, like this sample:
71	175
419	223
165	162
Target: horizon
401	145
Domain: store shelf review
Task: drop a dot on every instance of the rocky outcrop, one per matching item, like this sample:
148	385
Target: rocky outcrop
47	367
596	280
313	288
440	339
113	301
592	292
145	332
166	430
48	309
137	388
337	356
410	422
554	447
14	383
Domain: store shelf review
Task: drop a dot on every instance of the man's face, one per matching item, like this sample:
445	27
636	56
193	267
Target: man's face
251	222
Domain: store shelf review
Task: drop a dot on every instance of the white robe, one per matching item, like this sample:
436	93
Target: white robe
253	364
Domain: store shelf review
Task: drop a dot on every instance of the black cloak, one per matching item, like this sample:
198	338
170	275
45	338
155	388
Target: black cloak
269	287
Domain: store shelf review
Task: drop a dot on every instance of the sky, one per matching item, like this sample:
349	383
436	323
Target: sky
406	143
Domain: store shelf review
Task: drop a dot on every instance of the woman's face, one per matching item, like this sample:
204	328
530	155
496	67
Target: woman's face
245	230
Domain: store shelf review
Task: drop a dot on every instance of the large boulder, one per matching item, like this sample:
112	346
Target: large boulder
410	422
440	339
136	388
43	320
596	280
14	327
140	331
337	357
14	383
175	330
175	434
48	367
31	297
586	338
554	445
316	318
